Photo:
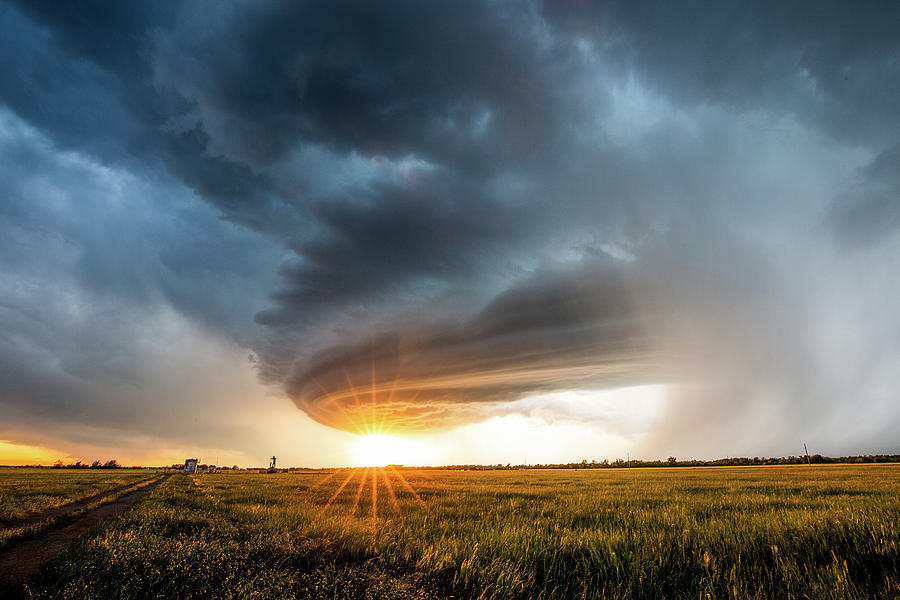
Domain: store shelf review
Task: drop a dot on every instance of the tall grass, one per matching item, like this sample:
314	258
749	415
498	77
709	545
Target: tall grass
770	532
24	492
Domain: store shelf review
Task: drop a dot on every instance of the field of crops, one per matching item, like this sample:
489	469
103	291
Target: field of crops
25	492
768	532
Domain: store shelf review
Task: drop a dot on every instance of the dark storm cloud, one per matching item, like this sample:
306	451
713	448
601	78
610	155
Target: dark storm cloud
78	71
94	277
82	73
528	197
120	237
379	80
447	115
403	235
833	64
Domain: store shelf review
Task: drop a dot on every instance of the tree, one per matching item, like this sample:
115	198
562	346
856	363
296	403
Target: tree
111	464
671	460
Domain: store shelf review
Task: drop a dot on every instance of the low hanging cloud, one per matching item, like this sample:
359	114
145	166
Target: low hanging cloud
578	329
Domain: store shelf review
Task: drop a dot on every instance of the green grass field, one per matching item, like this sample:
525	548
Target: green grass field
24	492
766	532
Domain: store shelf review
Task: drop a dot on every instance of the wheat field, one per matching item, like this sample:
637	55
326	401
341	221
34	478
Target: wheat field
731	532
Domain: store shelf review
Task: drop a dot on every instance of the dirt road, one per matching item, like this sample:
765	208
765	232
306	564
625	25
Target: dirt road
26	558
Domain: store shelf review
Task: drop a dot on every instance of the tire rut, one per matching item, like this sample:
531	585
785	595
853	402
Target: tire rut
65	509
27	557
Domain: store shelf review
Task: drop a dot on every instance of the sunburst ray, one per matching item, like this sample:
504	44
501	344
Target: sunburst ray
330	475
337	493
355	395
390	489
374	504
407	486
362	484
333	400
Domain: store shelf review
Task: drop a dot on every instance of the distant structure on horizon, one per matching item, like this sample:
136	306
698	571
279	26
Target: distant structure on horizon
190	465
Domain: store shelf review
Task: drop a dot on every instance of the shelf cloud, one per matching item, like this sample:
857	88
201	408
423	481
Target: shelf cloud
555	332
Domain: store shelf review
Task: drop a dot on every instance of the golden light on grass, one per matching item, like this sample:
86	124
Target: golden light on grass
393	482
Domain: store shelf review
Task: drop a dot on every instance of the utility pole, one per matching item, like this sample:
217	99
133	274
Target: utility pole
807	454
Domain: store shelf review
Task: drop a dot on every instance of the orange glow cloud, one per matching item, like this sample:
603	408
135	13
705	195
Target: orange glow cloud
21	454
578	330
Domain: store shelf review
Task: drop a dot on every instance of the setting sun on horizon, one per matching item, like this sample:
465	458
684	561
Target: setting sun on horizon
380	450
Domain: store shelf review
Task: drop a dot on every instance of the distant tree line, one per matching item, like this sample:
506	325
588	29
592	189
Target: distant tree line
815	459
110	464
114	464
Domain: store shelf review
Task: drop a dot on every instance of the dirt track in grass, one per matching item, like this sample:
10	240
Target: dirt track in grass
70	507
27	557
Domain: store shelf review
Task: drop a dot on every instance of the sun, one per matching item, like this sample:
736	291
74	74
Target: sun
379	450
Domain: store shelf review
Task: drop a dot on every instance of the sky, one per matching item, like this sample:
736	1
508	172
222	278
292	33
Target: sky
494	231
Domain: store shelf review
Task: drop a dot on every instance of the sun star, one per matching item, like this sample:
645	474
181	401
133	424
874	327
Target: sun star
378	450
